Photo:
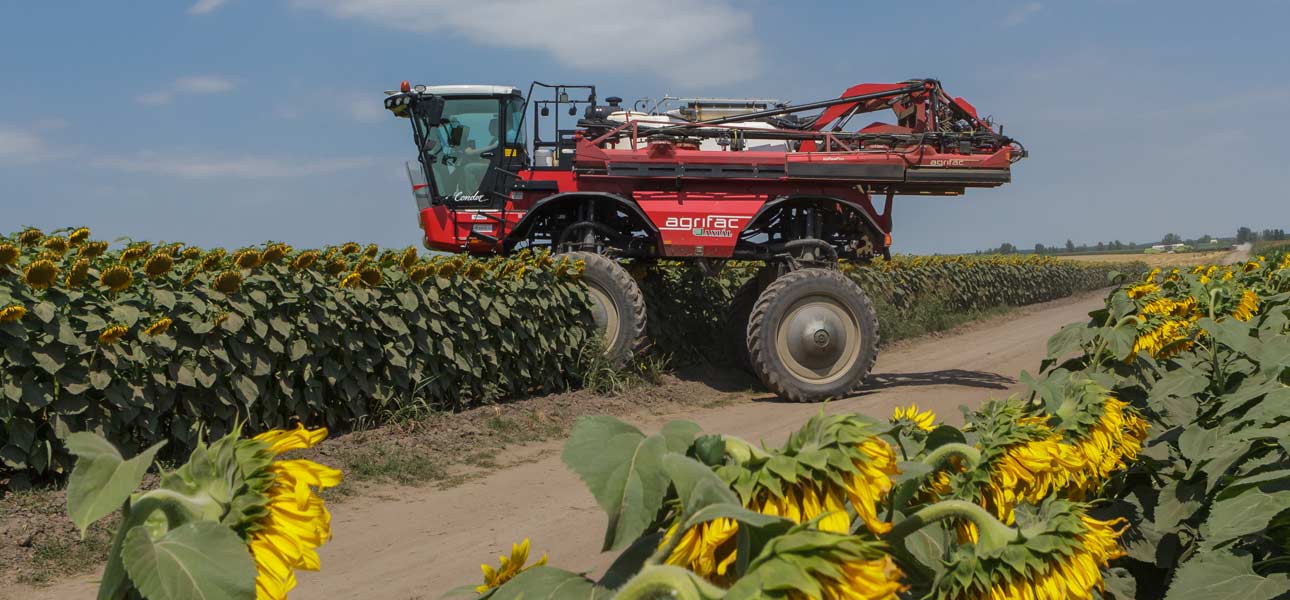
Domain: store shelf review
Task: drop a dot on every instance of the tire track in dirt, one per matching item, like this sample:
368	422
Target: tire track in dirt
398	542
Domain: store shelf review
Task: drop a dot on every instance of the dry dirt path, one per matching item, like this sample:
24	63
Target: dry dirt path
405	543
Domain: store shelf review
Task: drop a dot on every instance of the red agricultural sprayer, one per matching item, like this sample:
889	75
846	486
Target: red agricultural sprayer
704	180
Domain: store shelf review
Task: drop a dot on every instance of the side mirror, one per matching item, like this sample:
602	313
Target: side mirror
432	108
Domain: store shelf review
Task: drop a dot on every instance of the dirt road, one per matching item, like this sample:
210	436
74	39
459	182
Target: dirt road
404	543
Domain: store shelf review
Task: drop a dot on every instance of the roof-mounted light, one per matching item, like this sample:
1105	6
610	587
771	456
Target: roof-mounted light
405	87
420	88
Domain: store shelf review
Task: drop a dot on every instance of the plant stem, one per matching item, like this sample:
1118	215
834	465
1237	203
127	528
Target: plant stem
969	454
993	535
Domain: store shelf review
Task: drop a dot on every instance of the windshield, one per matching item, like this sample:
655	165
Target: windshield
460	150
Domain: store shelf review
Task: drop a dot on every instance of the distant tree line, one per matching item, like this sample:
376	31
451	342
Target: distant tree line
1243	235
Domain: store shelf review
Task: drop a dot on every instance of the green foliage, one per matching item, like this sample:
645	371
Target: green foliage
292	343
200	559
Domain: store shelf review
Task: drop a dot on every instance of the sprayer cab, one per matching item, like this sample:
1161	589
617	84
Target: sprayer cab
463	133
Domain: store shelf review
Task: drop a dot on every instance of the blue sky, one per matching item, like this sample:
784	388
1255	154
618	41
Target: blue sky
229	122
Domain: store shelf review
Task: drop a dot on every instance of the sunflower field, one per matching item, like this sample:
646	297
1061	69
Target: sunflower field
164	342
158	342
1150	459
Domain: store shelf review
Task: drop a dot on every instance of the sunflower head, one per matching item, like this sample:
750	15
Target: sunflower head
79	235
1247	306
79	273
350	248
508	568
371	276
923	420
335	266
116	278
92	250
228	282
805	563
275	253
56	244
191	253
1060	553
41	274
30	236
706	549
419	273
285	518
12	313
371	250
247	259
158	264
8	254
408	259
159	327
112	334
135	252
212	260
353	280
304	260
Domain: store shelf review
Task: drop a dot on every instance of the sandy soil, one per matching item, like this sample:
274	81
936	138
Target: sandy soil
402	542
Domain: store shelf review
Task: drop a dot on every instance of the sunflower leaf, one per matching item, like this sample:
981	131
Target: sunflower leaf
200	559
549	583
102	479
623	470
1224	576
1245	514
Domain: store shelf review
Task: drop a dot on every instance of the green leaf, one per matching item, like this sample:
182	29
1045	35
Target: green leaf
1222	575
102	479
1067	340
1247	513
1178	501
631	560
623	470
696	484
548	583
680	434
201	560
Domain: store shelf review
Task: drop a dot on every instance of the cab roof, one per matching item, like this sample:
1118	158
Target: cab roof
473	90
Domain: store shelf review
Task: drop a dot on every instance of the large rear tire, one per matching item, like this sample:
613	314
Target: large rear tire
741	306
812	335
617	306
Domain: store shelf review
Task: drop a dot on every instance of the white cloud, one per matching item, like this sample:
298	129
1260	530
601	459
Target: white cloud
22	147
196	85
246	167
1019	14
688	42
202	7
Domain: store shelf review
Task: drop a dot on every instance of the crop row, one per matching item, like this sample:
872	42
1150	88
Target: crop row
154	342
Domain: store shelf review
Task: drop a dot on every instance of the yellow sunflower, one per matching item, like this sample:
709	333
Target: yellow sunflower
371	276
12	313
508	568
78	274
876	579
304	260
212	260
8	254
30	237
419	273
1248	306
371	250
335	266
275	253
92	250
159	327
228	282
353	280
867	487
41	274
350	248
408	259
116	278
297	521
247	259
806	500
79	235
57	245
707	549
158	264
113	334
924	419
135	253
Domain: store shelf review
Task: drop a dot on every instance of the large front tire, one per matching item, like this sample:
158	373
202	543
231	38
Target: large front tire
617	306
812	335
